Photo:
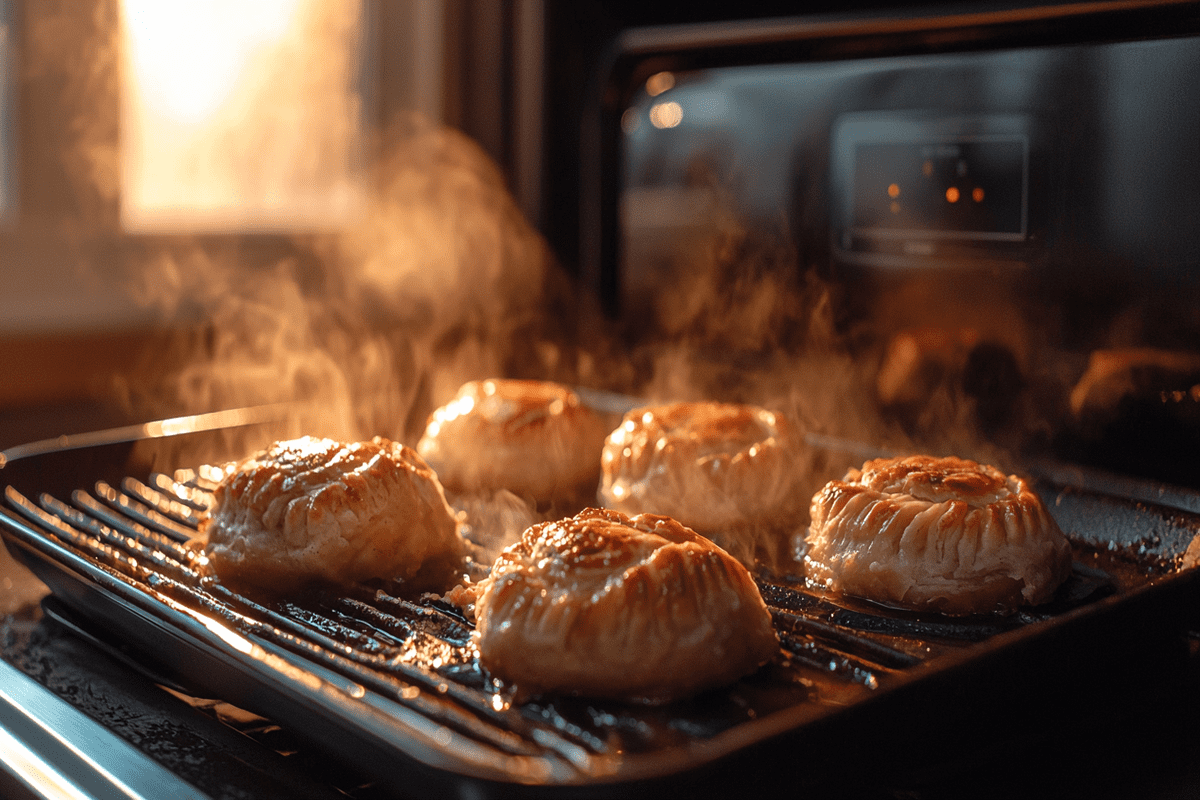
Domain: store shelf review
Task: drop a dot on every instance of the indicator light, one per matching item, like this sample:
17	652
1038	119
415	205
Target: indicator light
977	194
952	194
894	190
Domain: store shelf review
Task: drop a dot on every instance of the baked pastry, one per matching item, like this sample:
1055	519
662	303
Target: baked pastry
726	470
604	605
533	438
315	511
935	534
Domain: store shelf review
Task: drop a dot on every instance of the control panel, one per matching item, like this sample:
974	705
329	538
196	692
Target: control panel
915	189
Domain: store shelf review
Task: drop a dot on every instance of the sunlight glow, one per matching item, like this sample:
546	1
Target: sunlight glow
189	57
239	115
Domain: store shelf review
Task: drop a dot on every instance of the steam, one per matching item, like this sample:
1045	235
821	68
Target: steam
738	315
362	326
366	331
737	318
69	61
439	279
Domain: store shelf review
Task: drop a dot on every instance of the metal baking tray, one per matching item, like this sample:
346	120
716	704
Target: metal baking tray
389	683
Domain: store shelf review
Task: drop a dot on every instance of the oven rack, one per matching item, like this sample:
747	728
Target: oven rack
393	686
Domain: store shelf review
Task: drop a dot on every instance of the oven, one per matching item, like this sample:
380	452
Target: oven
956	230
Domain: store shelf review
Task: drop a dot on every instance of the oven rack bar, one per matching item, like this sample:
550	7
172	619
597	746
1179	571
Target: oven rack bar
413	657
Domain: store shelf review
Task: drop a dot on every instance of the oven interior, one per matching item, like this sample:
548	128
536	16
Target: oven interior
985	234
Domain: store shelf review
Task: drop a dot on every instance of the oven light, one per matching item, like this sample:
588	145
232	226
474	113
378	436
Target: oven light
666	115
659	82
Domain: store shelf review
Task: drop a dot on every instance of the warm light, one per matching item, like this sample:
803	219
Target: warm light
977	194
659	82
952	194
456	408
894	190
666	115
189	57
242	115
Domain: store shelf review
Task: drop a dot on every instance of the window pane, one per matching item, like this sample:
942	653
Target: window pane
241	116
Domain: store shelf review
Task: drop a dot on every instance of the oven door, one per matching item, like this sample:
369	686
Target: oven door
949	233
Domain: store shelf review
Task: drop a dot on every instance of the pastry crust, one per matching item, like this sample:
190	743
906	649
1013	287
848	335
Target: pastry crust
315	511
604	605
723	469
533	438
937	534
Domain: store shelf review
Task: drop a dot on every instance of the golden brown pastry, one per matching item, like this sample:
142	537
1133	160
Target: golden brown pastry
533	438
605	605
937	534
315	511
723	469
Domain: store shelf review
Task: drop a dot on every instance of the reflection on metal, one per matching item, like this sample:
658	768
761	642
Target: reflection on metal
57	753
24	764
230	418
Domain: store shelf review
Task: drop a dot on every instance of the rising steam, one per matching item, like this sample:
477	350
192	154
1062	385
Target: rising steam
441	282
437	279
424	276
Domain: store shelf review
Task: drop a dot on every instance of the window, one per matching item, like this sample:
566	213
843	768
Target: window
240	116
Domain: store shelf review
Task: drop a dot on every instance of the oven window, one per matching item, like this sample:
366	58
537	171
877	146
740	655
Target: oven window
241	116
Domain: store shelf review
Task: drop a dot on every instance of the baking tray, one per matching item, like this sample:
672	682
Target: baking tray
388	682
